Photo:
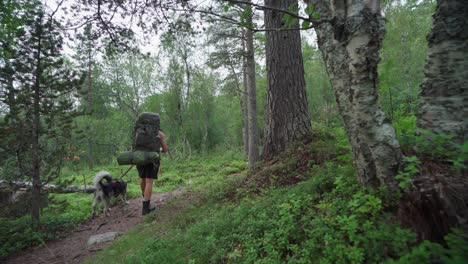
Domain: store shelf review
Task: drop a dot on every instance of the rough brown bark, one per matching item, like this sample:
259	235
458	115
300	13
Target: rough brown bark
287	115
350	47
251	96
444	94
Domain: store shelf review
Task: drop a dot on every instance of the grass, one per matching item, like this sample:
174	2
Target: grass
303	207
290	211
309	220
64	211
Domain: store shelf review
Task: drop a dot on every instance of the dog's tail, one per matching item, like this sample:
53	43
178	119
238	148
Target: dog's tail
101	176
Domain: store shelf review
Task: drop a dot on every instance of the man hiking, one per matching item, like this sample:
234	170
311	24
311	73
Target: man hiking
148	173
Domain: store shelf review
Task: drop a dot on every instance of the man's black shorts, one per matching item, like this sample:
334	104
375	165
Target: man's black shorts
149	171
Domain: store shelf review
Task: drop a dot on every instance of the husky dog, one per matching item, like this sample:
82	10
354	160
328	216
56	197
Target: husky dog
106	189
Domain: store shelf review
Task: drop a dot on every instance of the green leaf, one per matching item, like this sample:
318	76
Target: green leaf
305	24
315	16
289	21
228	6
247	12
309	9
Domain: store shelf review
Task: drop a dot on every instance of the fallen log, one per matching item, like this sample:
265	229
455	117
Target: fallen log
49	188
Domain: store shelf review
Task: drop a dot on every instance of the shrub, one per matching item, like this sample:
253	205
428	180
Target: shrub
327	219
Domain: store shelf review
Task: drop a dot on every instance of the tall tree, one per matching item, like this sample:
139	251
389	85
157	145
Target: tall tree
173	102
288	117
444	92
12	24
228	42
45	87
406	24
350	45
178	44
243	95
85	56
132	77
251	93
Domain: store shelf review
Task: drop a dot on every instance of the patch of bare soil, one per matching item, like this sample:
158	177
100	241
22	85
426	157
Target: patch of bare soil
73	248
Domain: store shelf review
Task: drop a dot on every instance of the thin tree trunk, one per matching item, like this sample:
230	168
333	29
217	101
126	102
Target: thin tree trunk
187	74
287	115
444	94
35	151
91	111
50	188
244	97
205	133
91	148
251	96
350	47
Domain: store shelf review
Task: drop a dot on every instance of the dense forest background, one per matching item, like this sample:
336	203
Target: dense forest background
71	92
195	83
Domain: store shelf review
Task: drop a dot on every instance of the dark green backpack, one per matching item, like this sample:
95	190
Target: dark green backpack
145	136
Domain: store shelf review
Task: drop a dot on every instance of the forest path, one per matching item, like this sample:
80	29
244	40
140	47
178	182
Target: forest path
73	248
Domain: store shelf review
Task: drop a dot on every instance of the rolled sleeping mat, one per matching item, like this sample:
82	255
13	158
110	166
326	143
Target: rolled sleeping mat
137	157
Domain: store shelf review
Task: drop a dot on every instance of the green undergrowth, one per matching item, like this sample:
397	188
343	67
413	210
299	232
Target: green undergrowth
289	211
65	211
328	218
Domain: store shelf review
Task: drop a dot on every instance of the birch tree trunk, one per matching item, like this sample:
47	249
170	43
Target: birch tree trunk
444	94
251	96
439	198
350	47
287	115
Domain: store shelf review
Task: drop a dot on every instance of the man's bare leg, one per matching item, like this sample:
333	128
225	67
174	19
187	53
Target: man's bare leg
143	185
148	189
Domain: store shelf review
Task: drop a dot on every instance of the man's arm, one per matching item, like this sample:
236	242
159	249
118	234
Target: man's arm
164	146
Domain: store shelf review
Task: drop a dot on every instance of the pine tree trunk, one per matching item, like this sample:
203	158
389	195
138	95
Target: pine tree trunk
350	47
251	97
444	94
244	96
35	151
287	115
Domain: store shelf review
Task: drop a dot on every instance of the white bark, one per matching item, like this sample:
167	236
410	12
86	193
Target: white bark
444	109
50	188
350	47
444	95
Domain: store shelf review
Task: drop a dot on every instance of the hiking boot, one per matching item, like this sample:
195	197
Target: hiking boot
147	208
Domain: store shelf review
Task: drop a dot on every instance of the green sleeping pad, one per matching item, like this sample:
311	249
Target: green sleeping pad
137	157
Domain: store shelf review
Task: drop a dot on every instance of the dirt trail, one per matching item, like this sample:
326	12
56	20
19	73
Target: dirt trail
73	247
